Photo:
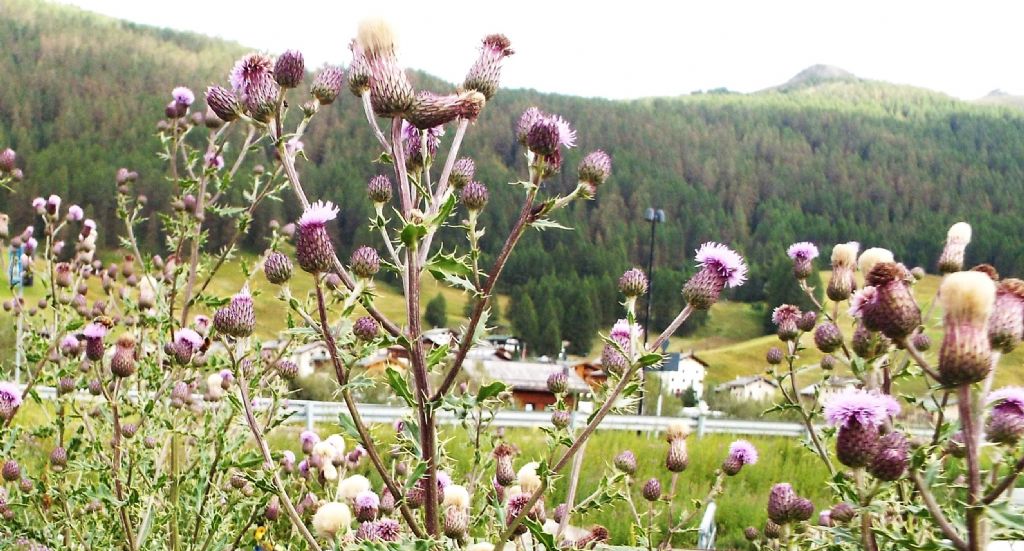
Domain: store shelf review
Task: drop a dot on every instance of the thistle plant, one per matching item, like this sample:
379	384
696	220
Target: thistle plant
898	486
170	413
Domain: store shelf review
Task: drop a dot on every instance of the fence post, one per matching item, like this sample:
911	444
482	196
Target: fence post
700	424
309	416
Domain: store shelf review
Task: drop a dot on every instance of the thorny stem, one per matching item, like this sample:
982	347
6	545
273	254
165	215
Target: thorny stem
716	489
971	444
200	208
812	432
933	507
919	358
243	386
599	416
115	465
466	341
364	435
570	500
372	119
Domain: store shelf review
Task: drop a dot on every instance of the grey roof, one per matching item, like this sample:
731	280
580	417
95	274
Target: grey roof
529	375
744	381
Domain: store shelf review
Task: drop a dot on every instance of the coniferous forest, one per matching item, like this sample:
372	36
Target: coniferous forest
823	161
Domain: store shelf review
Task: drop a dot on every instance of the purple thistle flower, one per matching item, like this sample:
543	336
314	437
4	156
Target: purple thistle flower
379	188
462	173
743	451
803	250
474	196
1008	397
213	160
595	168
308	439
95	331
485	73
412	140
289	68
238	318
313	247
186	337
39	204
622	332
183	96
249	71
727	263
53	204
786	319
10	395
75	213
862	300
860	406
327	85
223	102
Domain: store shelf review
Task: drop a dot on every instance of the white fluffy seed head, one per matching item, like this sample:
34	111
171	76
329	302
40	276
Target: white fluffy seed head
456	496
677	429
967	297
352	486
331	518
330	471
376	37
527	477
325	450
873	256
845	254
959	234
337	442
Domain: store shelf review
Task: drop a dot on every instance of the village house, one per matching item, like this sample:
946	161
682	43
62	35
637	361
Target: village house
528	382
756	388
681	372
834	385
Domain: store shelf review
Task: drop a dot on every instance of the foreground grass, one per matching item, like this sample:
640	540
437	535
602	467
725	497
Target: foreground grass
743	503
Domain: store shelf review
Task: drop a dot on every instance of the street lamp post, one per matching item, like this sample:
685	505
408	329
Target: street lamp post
655	217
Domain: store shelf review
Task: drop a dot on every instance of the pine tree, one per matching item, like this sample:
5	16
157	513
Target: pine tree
436	314
549	339
523	317
579	324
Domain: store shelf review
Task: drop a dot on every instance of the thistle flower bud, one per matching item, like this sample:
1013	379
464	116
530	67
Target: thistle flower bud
889	307
720	267
843	282
868	344
652	490
1006	323
387	502
379	189
597	535
952	257
8	160
827	337
277	267
677	459
785	318
595	168
391	93
430	110
921	342
626	462
558	382
802	509
273	510
58	458
917	273
366	328
633	283
504	473
289	69
287	369
474	196
313	247
781	501
456	522
842	512
365	262
65	385
561	418
327	85
122	364
462	172
95	387
774	356
358	71
772	530
224	103
807	321
891	461
967	299
751	534
485	74
11	470
1005	424
128	430
237	319
828	362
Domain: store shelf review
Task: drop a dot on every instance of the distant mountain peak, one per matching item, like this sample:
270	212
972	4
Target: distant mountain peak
817	74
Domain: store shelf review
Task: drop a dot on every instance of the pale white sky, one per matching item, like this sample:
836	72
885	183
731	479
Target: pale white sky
637	48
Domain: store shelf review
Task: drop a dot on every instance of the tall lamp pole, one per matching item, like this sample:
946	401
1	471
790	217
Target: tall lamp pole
655	217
